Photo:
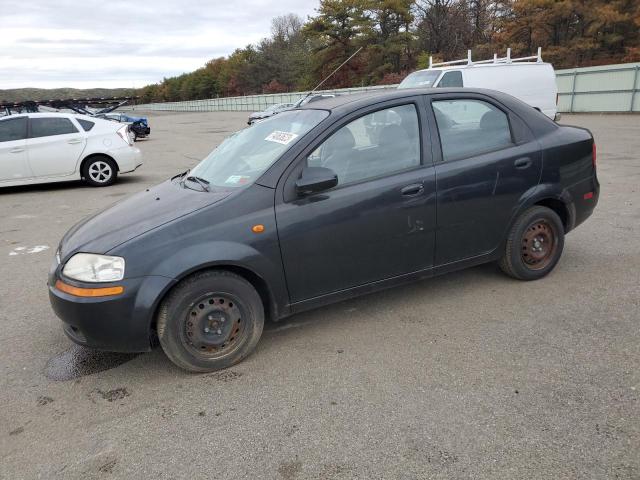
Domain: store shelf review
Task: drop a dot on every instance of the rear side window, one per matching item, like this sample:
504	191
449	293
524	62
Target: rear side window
85	124
13	129
451	79
47	127
470	127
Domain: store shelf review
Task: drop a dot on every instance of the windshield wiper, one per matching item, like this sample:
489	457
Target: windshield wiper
200	181
180	175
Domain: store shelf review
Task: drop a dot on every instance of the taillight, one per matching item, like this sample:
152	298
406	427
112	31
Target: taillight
593	155
124	134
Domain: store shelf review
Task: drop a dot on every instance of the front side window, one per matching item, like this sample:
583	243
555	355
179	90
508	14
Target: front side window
470	127
247	154
376	144
49	126
451	79
13	129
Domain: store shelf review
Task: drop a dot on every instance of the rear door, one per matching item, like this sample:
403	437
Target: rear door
488	164
13	149
379	221
54	146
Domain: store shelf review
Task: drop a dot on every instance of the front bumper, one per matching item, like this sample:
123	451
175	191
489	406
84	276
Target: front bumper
119	323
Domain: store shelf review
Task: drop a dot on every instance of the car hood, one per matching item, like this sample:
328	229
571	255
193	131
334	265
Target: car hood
134	216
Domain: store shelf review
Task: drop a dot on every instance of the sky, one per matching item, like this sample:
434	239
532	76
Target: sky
115	43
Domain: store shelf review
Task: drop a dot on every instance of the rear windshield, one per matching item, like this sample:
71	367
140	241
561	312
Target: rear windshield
422	78
247	154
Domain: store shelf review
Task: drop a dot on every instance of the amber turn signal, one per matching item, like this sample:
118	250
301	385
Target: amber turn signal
257	228
88	292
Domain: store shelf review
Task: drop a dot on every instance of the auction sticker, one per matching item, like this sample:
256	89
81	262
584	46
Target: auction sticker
285	138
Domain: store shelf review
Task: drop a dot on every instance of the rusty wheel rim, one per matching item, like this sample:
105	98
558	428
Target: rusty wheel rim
539	245
213	326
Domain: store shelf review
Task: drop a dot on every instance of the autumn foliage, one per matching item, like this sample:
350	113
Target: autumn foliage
398	36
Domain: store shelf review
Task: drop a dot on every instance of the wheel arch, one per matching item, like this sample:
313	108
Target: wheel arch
257	281
560	207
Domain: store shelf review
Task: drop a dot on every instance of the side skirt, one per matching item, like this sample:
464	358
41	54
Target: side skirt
372	287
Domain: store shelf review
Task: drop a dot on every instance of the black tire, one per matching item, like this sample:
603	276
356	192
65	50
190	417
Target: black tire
209	321
534	244
99	171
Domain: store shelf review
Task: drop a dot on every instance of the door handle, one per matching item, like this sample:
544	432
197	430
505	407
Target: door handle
412	190
75	140
522	163
16	150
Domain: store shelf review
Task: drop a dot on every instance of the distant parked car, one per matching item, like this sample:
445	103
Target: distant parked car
314	98
57	147
139	125
283	107
533	82
311	207
269	112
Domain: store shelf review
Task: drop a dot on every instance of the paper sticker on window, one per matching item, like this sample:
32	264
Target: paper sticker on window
237	179
285	138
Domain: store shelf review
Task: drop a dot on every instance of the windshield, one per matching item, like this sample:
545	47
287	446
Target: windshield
422	78
247	154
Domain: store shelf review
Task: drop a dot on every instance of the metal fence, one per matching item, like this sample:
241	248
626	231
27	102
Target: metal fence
609	88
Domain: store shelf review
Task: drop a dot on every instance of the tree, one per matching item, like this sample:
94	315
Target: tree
336	32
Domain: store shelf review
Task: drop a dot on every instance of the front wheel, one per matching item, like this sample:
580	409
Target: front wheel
534	244
211	320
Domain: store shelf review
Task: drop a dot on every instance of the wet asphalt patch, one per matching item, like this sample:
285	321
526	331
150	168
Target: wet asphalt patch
80	361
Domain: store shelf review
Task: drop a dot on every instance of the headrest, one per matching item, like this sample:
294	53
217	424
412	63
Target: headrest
492	120
342	140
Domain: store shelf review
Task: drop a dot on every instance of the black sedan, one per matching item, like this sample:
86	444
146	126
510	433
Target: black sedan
343	197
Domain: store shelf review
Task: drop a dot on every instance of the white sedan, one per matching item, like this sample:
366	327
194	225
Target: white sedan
57	147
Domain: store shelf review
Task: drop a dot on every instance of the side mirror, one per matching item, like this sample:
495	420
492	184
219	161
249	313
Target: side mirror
316	179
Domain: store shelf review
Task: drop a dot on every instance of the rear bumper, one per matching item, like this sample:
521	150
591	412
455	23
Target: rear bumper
120	323
584	197
128	158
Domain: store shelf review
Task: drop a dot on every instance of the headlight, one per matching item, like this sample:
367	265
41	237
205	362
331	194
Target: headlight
89	267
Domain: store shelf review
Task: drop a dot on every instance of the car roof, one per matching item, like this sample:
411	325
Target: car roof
357	100
49	114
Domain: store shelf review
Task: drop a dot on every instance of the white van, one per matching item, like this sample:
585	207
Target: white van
533	82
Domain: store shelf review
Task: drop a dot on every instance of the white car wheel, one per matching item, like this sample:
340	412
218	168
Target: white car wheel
100	172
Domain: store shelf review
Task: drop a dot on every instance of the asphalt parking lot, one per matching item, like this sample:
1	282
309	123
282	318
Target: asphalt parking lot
469	375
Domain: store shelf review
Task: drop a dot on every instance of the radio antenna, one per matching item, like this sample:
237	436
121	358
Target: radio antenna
329	76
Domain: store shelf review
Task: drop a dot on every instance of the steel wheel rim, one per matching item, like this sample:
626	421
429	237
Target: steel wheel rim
213	325
539	244
100	172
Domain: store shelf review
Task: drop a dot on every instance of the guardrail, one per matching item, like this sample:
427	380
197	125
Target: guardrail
609	88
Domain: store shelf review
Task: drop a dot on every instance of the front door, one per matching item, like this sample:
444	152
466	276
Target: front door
54	146
13	149
487	168
377	223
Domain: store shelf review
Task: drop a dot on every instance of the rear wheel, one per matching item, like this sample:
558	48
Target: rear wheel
211	320
99	171
534	244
